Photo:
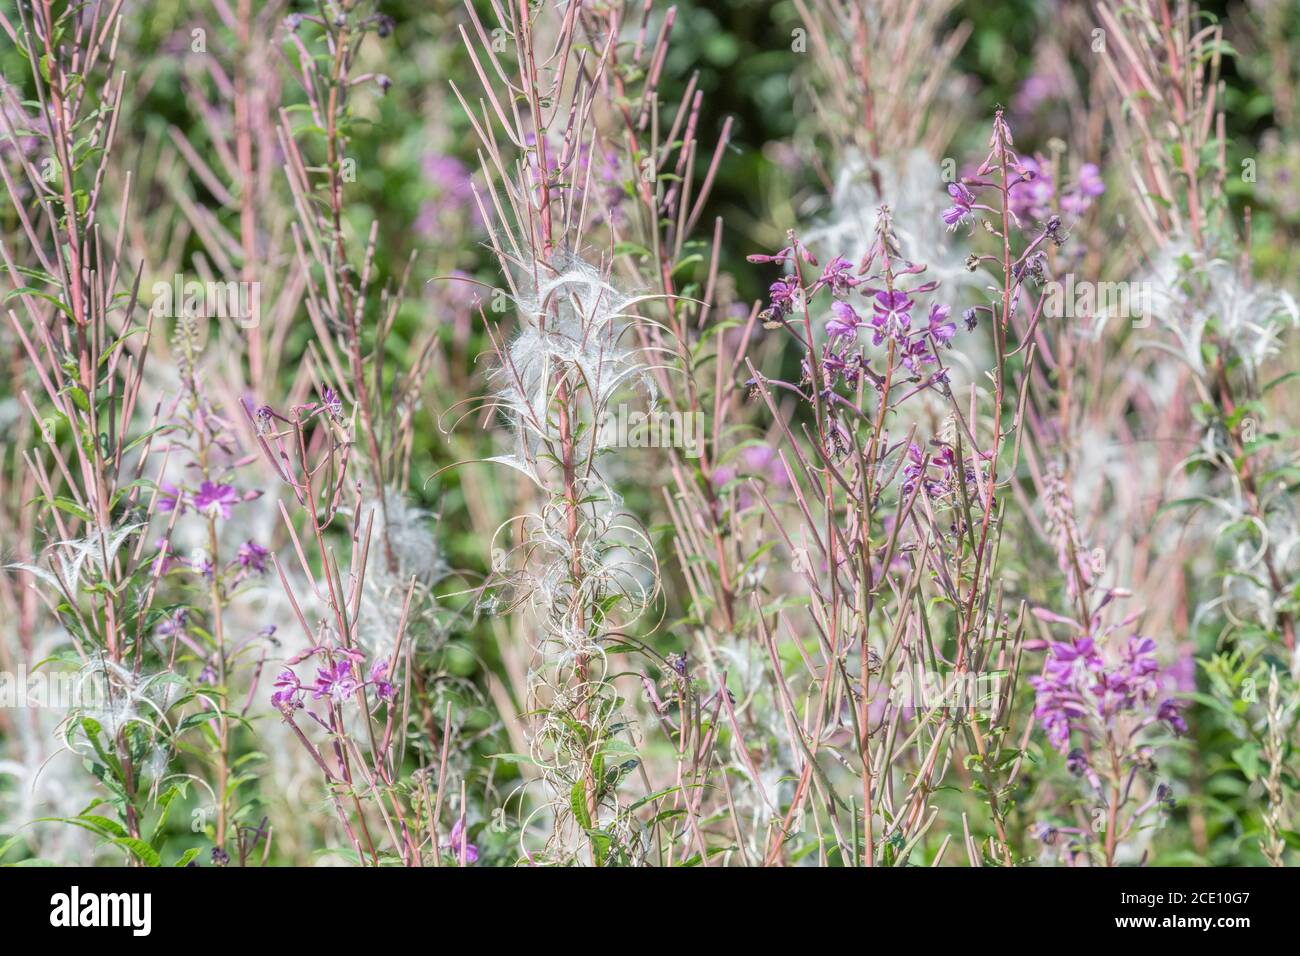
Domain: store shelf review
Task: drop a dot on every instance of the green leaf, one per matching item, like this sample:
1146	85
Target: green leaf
164	807
1247	758
143	851
578	800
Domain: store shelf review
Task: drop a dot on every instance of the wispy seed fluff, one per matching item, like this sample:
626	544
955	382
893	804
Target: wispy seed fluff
403	546
1191	291
573	320
910	185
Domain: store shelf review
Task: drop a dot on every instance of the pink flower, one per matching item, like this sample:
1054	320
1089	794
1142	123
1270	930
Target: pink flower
379	681
459	843
170	498
288	694
844	321
253	556
960	211
939	326
335	682
215	500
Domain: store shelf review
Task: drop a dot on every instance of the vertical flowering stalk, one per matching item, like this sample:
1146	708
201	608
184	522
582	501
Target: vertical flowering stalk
879	511
1099	689
311	451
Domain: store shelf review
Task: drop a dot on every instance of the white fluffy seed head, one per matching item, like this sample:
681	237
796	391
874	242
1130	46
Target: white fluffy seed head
574	329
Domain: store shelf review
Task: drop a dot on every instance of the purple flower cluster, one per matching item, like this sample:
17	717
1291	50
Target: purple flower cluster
1030	194
890	319
939	474
1079	692
252	557
336	681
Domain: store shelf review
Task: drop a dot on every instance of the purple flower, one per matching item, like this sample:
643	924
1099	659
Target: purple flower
891	315
1087	187
838	275
917	469
379	681
459	843
942	329
850	367
914	470
333	404
215	500
1077	688
288	694
1138	670
844	321
782	294
335	682
915	352
253	556
960	211
1170	711
170	498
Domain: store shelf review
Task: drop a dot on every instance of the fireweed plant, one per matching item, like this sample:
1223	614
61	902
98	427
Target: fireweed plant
98	574
345	458
1099	700
886	515
462	435
578	563
1226	329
